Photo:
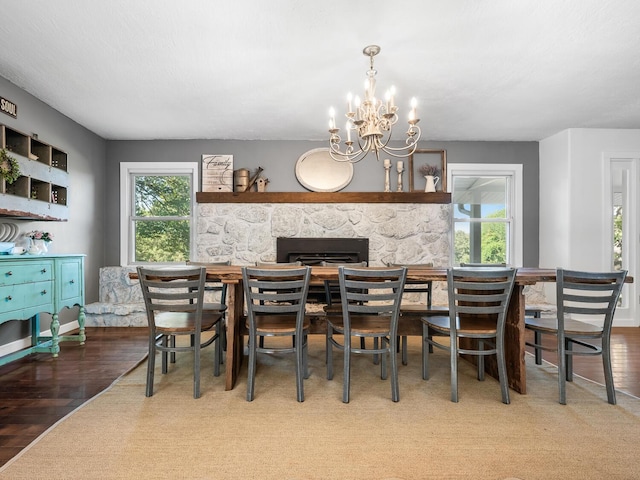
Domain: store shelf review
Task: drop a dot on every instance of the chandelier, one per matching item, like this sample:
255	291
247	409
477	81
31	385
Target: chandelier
371	122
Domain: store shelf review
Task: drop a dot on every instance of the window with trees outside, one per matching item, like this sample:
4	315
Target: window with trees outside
487	213
157	212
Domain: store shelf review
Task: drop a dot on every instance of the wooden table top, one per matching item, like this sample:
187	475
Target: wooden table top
524	276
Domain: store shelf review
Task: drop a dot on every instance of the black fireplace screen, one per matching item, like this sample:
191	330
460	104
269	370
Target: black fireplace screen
313	251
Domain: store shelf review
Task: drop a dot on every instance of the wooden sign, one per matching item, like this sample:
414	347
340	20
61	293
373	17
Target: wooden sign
217	173
8	107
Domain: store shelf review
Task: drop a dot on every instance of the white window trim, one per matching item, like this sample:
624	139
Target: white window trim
513	170
129	169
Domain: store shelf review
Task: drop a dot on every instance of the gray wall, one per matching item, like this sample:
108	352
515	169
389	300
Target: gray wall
84	232
278	159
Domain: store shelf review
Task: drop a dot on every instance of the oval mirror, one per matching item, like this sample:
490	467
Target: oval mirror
318	172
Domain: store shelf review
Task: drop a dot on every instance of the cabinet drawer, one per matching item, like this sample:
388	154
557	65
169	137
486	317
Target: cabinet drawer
39	294
27	272
26	296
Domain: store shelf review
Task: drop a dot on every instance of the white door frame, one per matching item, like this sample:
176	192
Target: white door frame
627	313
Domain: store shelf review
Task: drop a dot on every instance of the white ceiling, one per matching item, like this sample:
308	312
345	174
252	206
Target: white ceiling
480	69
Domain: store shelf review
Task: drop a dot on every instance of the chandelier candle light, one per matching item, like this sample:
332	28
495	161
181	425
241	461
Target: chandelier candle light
372	122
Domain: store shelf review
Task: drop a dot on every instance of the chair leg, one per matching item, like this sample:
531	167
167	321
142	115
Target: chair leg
393	365
568	345
562	370
480	370
305	356
196	367
426	347
405	352
347	369
251	378
217	351
151	365
224	340
608	373
537	339
300	369
165	355
376	357
454	369
385	343
329	353
502	370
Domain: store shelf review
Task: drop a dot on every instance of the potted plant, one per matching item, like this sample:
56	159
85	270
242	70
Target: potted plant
430	173
427	170
9	168
39	241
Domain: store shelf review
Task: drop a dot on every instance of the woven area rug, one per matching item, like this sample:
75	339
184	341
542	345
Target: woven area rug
121	434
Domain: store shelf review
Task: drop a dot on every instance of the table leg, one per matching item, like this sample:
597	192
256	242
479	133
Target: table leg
235	341
514	341
514	344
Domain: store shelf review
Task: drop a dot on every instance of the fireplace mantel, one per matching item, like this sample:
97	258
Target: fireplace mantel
323	197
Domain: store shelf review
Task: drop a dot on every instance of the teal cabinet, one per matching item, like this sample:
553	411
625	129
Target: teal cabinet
30	285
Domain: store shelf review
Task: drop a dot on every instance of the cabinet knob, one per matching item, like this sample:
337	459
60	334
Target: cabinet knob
8	299
44	292
44	270
72	281
9	273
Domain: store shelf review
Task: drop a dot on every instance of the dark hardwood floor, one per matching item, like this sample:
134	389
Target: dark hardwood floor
37	391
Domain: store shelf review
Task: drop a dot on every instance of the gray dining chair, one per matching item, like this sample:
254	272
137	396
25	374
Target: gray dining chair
586	304
478	303
174	299
276	300
422	289
370	309
216	289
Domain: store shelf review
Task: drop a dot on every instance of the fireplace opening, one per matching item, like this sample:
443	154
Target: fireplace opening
314	251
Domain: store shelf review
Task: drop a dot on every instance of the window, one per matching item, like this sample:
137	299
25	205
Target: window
157	213
487	213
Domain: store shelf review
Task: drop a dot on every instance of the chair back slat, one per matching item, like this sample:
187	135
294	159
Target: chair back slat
372	292
278	290
173	290
480	292
593	294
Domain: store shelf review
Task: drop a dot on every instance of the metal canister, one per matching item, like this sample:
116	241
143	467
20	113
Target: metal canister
240	179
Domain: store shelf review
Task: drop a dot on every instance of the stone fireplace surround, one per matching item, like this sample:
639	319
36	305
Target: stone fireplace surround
246	233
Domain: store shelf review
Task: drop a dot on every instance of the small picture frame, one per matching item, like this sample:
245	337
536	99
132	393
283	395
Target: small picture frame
217	173
431	157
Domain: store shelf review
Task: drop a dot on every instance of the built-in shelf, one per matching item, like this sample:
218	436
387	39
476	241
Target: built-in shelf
323	197
40	192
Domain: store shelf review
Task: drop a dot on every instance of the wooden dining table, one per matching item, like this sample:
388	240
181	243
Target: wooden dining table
514	332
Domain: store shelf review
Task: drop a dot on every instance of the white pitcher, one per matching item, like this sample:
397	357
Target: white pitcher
432	181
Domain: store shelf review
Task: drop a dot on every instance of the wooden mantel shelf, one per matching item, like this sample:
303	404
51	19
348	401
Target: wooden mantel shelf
323	197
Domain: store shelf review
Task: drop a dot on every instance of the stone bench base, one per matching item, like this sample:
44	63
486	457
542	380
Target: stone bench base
104	314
